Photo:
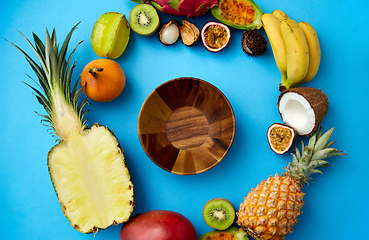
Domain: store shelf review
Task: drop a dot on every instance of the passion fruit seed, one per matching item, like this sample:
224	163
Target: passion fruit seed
280	138
216	36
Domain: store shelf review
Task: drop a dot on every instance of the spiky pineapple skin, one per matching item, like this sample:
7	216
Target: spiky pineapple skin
271	209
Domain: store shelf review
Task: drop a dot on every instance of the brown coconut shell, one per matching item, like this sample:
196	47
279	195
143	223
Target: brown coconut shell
317	99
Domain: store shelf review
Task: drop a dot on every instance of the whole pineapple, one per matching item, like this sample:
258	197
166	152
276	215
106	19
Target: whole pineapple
87	166
271	209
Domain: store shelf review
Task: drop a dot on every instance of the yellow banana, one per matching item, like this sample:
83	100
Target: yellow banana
314	51
280	15
297	53
272	27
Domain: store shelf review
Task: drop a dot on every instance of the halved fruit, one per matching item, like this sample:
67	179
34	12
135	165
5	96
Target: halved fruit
219	213
241	14
215	36
169	33
303	108
232	233
144	19
280	138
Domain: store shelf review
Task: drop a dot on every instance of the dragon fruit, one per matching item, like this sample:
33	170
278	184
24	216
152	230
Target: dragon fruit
188	8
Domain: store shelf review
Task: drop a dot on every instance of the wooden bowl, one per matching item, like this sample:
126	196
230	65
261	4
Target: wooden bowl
186	126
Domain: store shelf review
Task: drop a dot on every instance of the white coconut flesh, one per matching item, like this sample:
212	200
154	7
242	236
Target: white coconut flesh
297	113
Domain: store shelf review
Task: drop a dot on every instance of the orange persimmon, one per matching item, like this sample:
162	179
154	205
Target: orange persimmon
103	80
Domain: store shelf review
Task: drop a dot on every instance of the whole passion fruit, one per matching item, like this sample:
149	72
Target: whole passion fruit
215	36
280	137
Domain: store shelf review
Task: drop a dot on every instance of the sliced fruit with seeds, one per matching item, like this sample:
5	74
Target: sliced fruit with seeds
169	33
231	233
241	14
144	19
218	213
280	138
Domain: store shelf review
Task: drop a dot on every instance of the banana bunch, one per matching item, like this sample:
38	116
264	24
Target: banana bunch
295	47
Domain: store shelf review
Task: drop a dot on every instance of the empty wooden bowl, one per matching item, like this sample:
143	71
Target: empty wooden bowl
186	126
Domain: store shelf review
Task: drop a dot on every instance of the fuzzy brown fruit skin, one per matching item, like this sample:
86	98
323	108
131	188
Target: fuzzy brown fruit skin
158	225
317	99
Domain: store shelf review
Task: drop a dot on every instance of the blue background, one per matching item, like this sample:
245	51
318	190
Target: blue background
336	204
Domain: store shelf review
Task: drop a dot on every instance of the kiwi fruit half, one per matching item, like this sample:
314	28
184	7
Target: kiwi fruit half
219	213
144	19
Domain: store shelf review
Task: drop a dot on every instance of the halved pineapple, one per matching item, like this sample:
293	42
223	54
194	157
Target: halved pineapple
91	179
87	166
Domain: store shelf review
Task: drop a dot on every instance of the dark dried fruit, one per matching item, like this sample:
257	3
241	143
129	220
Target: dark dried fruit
253	43
280	137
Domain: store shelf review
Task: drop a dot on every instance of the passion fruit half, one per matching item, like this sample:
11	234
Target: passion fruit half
215	36
281	138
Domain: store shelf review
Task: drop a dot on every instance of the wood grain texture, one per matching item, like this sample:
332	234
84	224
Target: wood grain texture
186	126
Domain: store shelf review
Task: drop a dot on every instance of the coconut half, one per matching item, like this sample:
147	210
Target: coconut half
303	109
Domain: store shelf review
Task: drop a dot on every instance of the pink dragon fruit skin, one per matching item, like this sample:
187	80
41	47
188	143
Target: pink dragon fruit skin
188	8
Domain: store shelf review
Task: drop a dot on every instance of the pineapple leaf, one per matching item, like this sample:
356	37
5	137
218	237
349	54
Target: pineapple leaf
297	152
295	158
324	153
317	163
41	99
54	76
306	156
51	61
40	47
312	141
323	140
330	144
312	171
312	156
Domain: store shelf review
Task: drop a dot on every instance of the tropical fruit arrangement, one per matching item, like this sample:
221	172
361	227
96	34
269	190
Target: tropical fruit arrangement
87	166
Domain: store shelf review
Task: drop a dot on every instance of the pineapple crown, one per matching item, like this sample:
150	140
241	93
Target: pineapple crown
312	156
54	77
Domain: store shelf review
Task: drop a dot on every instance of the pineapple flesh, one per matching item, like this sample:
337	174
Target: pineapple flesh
271	209
87	166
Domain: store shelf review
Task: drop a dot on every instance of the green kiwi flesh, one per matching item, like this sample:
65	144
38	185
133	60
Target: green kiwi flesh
231	233
144	19
218	213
